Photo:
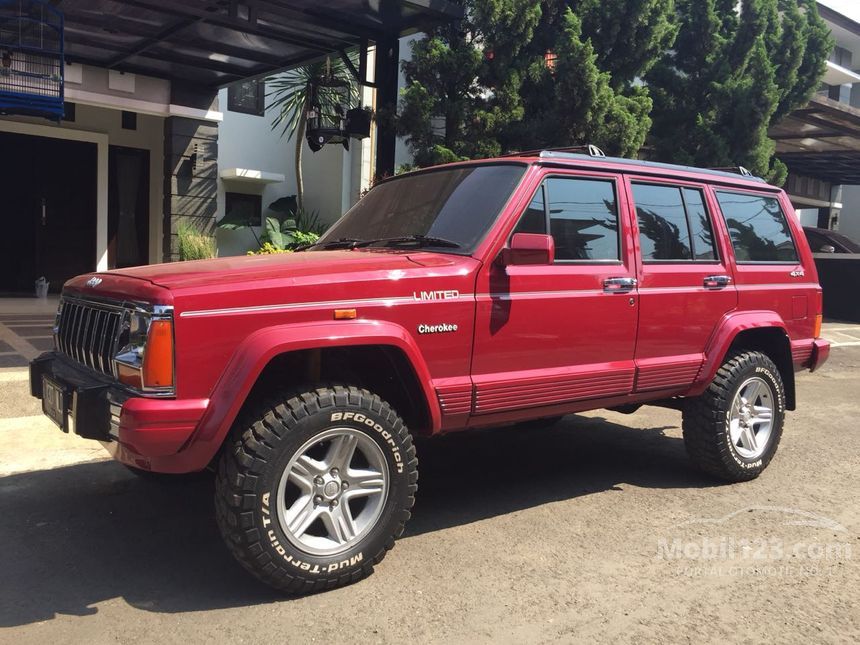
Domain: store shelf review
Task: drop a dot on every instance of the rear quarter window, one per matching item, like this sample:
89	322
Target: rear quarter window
758	228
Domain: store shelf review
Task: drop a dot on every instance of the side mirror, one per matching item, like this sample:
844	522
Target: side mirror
827	248
529	248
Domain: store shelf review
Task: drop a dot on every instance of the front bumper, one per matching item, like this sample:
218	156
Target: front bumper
147	433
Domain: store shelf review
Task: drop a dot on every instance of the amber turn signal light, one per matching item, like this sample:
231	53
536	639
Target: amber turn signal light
158	358
345	314
817	330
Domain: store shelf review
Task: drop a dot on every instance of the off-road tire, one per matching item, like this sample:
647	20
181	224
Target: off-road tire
262	442
706	419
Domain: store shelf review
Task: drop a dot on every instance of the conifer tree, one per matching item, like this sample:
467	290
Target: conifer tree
730	76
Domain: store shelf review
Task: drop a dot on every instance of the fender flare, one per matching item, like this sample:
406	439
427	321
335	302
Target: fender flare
258	349
724	335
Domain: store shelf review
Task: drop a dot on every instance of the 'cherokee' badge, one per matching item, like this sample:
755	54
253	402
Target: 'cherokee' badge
94	281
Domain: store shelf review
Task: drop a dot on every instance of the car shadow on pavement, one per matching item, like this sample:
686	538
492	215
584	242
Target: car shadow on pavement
467	477
76	536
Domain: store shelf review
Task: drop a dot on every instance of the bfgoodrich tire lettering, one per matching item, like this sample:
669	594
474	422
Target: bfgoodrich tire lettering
264	446
747	389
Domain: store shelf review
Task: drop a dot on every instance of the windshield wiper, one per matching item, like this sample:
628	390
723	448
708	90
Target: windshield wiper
353	243
417	240
340	243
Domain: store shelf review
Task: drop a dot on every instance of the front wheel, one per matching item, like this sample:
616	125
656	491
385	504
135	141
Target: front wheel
315	488
733	429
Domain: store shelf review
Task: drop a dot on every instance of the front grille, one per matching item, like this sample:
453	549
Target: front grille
87	332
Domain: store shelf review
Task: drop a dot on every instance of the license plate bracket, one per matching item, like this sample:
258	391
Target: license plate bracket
55	402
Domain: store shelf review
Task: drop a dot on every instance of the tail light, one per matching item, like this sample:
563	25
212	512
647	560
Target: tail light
819	314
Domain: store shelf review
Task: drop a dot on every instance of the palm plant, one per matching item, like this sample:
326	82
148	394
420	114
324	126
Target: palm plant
291	95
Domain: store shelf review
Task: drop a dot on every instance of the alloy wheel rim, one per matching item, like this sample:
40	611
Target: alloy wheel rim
751	418
332	491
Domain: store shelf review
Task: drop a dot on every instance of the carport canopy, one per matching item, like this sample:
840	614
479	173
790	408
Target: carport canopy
821	140
207	45
217	42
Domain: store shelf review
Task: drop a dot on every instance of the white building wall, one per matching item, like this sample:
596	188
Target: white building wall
248	142
333	177
849	218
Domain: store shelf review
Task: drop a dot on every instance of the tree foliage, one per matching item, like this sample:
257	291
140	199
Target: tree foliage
525	74
519	74
730	76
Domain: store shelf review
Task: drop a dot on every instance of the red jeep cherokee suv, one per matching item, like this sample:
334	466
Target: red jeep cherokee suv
468	295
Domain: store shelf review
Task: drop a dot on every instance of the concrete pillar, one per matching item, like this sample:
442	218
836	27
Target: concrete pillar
190	178
386	75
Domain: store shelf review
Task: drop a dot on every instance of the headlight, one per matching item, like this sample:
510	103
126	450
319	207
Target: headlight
145	358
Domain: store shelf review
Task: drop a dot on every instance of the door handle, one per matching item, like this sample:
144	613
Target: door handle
619	285
716	281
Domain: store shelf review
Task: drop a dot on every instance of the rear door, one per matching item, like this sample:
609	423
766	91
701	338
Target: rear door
686	285
773	265
549	335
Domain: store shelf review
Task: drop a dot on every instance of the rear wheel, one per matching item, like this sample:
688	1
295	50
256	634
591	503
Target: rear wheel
315	488
733	429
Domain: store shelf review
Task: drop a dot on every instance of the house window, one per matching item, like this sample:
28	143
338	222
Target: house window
129	120
249	208
247	97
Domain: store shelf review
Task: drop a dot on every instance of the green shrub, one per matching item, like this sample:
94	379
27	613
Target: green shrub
194	245
269	249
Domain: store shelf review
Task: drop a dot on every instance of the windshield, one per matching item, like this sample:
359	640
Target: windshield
449	209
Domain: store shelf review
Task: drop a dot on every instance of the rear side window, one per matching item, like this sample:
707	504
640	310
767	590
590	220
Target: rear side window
673	223
583	218
758	228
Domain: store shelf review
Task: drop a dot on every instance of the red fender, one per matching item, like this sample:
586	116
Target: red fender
258	349
727	330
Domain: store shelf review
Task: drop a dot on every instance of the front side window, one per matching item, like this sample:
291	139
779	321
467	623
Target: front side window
456	207
583	218
757	227
582	214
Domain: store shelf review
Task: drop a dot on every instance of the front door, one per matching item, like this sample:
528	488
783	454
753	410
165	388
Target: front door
47	210
685	283
552	335
128	207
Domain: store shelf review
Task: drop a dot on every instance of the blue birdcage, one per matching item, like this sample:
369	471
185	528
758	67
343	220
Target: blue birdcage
31	59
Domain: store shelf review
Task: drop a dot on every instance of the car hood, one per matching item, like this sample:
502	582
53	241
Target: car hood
317	266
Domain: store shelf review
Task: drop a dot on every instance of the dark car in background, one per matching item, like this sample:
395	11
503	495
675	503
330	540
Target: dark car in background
823	240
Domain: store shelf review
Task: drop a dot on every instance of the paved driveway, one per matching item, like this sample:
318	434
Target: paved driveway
596	529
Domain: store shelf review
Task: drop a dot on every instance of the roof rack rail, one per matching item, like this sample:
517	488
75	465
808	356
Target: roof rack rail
590	149
738	170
